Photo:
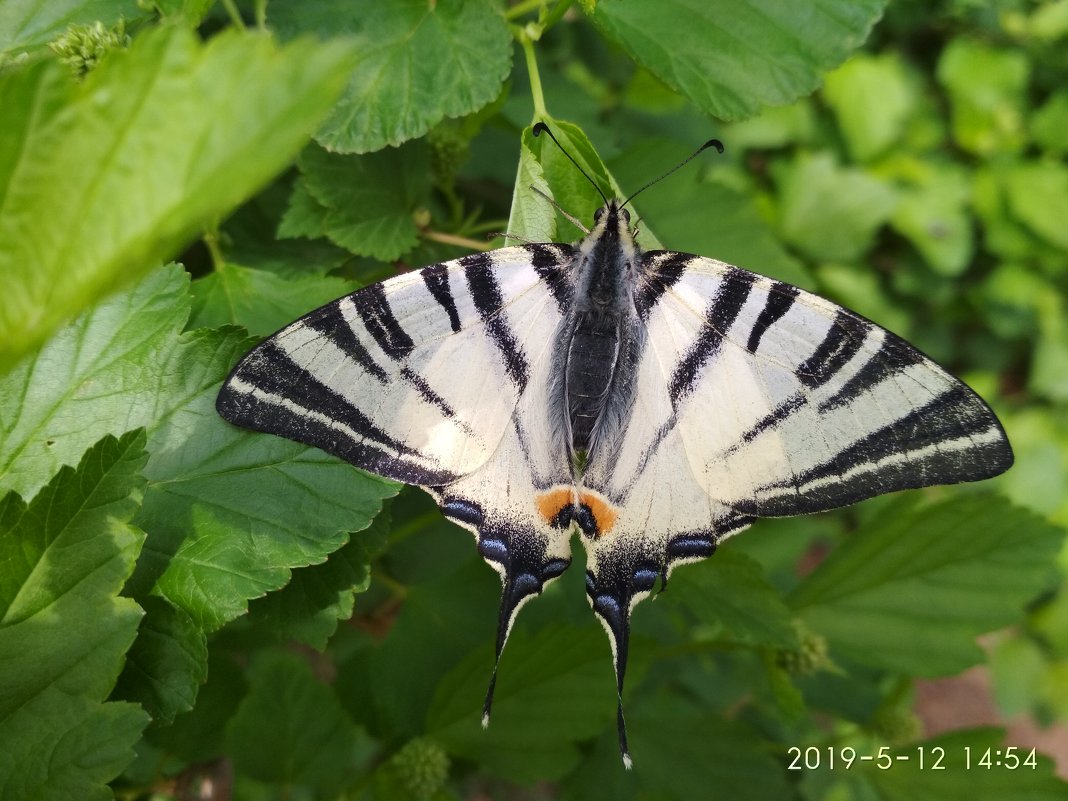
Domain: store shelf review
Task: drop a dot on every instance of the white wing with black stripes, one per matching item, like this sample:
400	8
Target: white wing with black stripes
757	399
437	378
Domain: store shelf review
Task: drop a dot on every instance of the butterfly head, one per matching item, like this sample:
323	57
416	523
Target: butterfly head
609	258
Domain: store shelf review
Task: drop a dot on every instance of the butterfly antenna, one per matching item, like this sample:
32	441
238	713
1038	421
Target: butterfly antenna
718	145
539	127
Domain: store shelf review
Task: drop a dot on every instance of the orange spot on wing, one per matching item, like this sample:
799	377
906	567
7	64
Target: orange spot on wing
550	503
604	514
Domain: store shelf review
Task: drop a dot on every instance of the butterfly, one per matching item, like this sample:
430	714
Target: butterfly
655	402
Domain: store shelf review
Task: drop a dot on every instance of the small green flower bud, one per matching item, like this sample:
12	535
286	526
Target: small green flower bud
82	47
421	767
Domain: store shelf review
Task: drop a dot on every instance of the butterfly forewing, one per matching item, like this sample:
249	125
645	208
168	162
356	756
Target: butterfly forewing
416	378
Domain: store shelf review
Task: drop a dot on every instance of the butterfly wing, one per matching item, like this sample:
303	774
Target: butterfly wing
758	399
437	378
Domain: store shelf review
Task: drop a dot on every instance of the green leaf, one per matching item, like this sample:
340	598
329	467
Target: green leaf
831	212
419	62
260	301
64	557
167	663
730	590
1038	197
309	607
544	165
1049	123
912	592
986	87
730	58
291	729
102	374
681	750
532	216
906	781
933	217
554	690
364	203
102	180
30	23
872	98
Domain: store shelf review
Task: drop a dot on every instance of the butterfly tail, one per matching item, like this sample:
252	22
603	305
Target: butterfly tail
616	583
525	570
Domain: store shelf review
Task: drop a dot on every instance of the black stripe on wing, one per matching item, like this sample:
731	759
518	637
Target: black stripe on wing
552	263
436	278
373	307
719	317
840	344
285	399
780	298
661	270
331	324
486	295
893	356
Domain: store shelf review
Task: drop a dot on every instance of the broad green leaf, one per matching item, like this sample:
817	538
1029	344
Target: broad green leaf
912	591
309	607
1049	372
729	592
906	781
933	216
419	62
291	729
59	746
102	374
872	98
30	23
681	750
532	216
1038	197
101	180
1049	123
831	212
167	663
200	734
554	689
365	203
304	216
64	630
543	166
986	88
259	301
729	57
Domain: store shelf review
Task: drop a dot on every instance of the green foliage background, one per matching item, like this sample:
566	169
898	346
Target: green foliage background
188	607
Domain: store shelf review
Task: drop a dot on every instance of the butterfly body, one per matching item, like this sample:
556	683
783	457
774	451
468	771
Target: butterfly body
655	402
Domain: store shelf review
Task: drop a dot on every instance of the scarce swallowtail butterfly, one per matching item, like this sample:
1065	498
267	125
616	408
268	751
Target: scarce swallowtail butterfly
656	402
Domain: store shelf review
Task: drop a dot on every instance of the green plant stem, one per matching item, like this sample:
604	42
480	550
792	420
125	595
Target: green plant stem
537	96
211	240
519	9
234	14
